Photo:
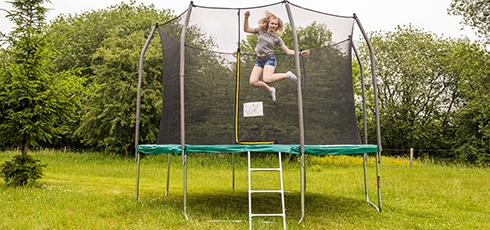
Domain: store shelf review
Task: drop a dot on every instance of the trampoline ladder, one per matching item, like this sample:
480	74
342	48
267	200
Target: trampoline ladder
251	191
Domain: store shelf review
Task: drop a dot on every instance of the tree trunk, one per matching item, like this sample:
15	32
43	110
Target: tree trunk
24	148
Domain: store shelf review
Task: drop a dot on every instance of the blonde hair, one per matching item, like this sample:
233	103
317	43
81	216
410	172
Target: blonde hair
264	23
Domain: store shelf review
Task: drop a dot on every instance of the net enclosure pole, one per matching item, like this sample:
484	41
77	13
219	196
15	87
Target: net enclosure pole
376	111
364	115
237	86
300	110
182	105
140	82
138	108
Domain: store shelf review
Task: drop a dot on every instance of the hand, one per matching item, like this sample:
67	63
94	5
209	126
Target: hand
305	53
247	14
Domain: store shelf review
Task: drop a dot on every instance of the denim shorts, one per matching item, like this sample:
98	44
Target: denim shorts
266	60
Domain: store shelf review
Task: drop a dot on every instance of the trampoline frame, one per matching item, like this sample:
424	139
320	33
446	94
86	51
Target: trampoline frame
183	149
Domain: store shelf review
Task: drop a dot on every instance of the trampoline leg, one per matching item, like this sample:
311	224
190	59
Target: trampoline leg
304	174
184	162
137	175
366	190
168	174
378	175
233	171
378	208
303	186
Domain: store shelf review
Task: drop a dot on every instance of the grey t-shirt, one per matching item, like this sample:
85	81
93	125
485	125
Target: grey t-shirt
266	42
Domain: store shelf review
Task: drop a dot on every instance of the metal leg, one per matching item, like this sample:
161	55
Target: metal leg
303	186
233	171
249	193
304	170
184	162
366	190
168	174
137	175
378	208
378	175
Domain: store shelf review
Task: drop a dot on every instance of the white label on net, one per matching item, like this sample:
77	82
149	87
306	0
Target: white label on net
253	109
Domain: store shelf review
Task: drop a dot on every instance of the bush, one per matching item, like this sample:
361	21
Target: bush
23	169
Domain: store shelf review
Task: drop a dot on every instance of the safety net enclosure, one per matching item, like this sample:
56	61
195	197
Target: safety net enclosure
219	58
210	106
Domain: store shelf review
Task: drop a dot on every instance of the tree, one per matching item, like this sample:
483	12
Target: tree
472	120
23	169
433	94
36	102
475	13
83	33
109	113
107	43
419	86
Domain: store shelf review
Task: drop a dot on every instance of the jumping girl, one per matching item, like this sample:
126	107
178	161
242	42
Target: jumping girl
269	30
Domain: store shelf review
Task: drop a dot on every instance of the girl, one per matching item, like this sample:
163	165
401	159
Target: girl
270	27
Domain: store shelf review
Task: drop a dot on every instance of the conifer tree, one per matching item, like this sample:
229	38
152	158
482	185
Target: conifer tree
36	102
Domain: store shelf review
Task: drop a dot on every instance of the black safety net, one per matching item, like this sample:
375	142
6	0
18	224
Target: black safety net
220	105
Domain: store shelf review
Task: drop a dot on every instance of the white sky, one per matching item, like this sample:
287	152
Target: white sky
375	15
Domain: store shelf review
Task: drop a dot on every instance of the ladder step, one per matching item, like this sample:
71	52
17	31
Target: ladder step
256	214
266	191
265	169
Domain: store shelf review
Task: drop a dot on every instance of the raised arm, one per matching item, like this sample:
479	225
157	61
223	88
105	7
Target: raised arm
246	27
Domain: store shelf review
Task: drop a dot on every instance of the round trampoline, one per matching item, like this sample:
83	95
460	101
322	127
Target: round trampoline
209	106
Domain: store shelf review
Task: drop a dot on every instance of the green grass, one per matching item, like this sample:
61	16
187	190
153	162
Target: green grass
94	191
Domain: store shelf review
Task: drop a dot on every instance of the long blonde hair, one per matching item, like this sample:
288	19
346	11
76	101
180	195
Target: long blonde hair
264	23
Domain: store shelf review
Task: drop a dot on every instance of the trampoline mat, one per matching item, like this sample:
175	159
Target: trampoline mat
293	149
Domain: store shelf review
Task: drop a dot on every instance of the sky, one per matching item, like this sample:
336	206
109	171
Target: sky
375	15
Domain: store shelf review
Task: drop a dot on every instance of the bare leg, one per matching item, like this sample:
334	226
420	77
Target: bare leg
254	79
270	76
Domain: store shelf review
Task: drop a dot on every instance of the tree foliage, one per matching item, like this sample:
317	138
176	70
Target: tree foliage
472	120
426	84
36	102
475	13
109	113
22	170
107	44
433	90
416	90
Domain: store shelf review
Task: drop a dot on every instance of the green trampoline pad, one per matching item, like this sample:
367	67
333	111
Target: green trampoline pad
293	149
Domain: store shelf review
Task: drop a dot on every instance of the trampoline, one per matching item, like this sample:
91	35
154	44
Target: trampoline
208	105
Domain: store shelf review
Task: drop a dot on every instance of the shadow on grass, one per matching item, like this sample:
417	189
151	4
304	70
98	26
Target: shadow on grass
234	206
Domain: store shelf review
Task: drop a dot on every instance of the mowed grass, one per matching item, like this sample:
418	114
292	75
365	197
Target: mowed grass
96	191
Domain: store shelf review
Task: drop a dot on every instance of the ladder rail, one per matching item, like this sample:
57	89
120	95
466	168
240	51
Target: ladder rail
252	191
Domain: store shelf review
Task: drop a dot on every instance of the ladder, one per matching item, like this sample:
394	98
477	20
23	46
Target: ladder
252	191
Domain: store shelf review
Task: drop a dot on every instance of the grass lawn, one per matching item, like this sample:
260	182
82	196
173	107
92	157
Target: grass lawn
96	191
